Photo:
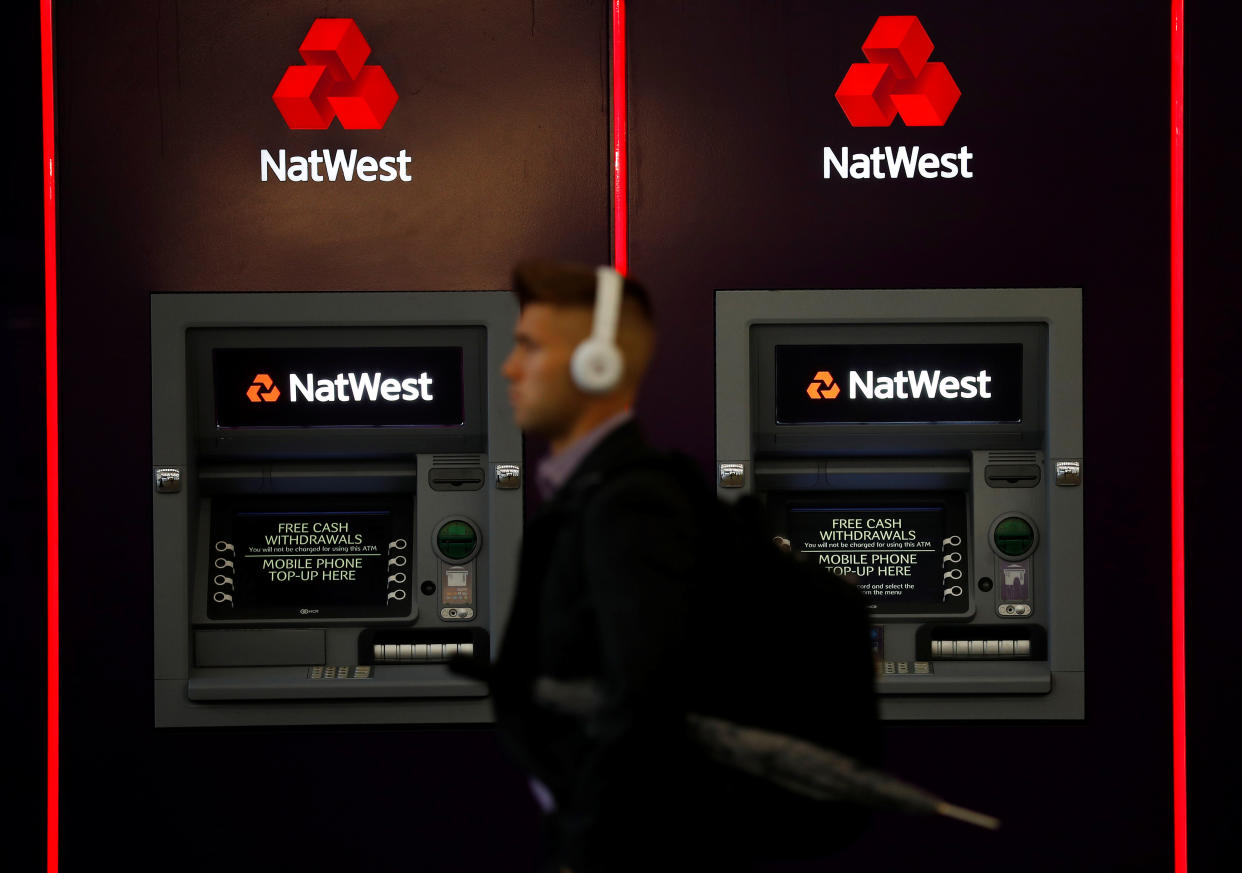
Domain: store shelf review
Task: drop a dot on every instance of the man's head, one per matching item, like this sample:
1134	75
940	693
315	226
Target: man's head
558	303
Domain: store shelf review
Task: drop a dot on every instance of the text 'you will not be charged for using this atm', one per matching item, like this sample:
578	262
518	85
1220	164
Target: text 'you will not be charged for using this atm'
901	556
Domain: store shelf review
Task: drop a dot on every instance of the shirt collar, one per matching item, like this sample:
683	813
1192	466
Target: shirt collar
554	470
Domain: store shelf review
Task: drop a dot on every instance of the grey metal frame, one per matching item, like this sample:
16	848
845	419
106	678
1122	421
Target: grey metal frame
961	696
176	525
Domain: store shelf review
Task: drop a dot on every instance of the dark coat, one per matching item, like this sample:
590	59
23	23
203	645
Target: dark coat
605	589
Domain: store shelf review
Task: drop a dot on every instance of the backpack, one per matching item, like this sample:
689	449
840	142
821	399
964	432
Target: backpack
778	644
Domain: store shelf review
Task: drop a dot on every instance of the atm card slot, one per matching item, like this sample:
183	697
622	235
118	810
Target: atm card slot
455	478
862	474
1011	475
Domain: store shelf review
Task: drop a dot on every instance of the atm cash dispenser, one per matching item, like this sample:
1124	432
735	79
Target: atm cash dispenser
930	442
337	505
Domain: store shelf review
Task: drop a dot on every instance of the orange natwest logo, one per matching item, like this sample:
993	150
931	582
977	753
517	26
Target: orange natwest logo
263	390
829	390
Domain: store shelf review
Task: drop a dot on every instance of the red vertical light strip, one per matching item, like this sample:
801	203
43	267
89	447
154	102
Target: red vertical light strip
1176	393
620	195
53	439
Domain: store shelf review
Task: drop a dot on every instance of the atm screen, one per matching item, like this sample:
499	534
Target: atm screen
415	386
908	555
899	383
322	558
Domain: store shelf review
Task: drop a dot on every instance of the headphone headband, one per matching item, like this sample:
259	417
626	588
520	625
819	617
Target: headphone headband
596	365
608	285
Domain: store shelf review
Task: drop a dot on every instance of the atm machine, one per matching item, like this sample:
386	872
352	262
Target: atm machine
337	505
930	443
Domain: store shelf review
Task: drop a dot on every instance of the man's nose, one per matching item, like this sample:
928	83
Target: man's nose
509	368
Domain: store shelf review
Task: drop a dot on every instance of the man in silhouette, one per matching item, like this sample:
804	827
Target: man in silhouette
604	596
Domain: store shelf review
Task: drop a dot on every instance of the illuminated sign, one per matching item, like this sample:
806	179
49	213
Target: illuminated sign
906	556
263	390
359	387
311	557
897	163
918	383
980	383
335	82
338	387
823	387
897	79
328	165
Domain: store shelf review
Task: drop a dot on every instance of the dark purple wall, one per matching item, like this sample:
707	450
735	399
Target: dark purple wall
732	106
162	109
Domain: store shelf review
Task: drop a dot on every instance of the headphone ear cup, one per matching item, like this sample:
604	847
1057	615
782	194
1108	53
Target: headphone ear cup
596	366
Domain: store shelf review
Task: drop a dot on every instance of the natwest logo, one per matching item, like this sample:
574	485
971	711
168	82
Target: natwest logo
898	80
263	390
358	387
903	385
335	82
915	384
823	387
898	382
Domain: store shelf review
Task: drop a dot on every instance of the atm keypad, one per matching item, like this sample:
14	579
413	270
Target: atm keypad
342	672
904	668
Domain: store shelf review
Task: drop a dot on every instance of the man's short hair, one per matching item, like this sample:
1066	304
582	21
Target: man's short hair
562	284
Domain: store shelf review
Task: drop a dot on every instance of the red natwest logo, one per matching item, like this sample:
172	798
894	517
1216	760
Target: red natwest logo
898	80
335	82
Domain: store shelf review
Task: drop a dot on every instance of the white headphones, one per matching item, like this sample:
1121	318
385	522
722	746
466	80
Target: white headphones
597	365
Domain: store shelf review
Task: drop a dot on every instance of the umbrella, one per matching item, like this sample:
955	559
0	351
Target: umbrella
791	762
818	772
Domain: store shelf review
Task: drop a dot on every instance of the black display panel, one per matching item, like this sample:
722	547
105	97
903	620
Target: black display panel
909	554
312	558
899	383
338	387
